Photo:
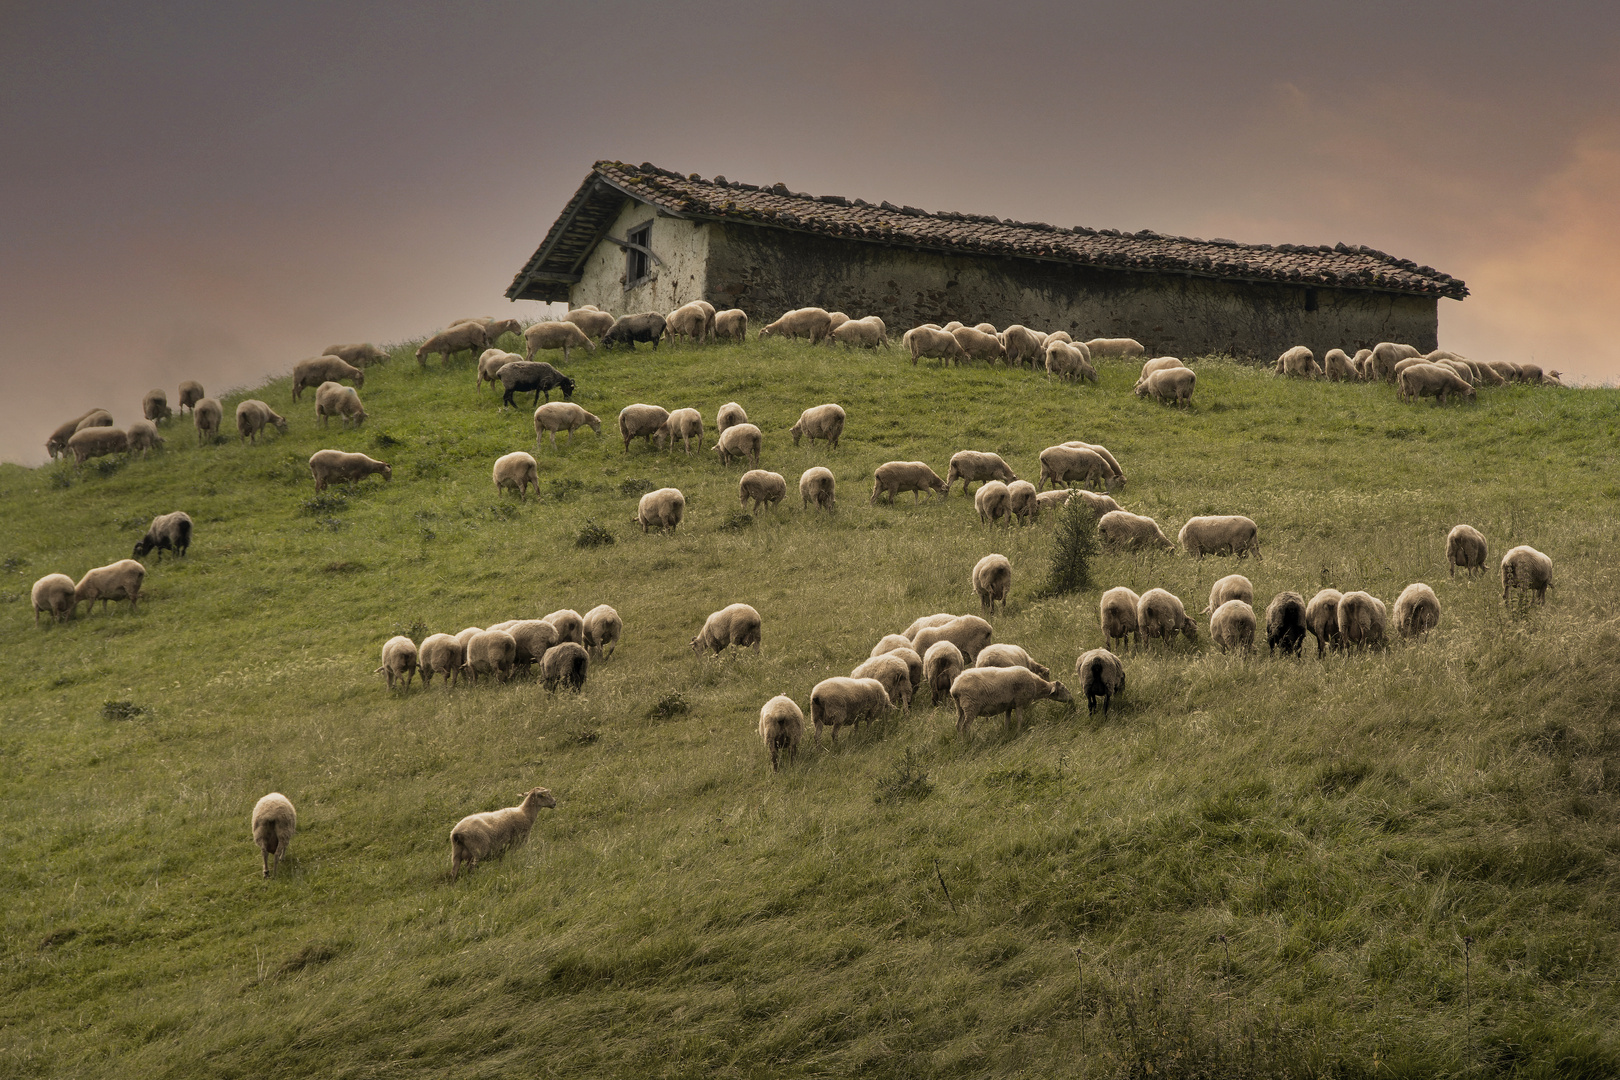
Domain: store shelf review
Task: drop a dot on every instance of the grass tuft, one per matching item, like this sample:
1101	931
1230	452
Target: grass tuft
123	710
593	535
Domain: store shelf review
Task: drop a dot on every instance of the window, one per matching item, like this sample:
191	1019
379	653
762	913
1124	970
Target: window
637	261
1310	299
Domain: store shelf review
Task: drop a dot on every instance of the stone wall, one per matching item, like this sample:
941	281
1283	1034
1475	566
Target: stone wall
682	244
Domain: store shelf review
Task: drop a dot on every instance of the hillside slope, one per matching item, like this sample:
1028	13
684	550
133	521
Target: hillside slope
1252	867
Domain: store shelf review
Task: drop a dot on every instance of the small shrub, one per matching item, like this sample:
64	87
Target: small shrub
123	710
669	706
737	522
593	535
106	466
344	567
565	488
325	502
61	479
430	468
330	524
637	487
384	441
416	631
1074	547
906	780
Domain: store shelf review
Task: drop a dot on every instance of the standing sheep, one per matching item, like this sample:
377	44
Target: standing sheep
1124	348
1159	363
1102	675
1382	360
517	471
483	836
977	465
534	638
143	436
1160	614
893	672
1005	654
570	625
841	700
867	333
1069	362
1417	610
1174	385
992	580
661	509
740	441
735	624
565	662
729	415
931	343
1064	465
1022	502
1118	474
893	477
191	392
764	488
1299	363
57	444
53	593
440	654
489	366
820	422
324	369
968	633
463	337
684	424
155	406
925	622
115	581
1117	614
1219	534
811	322
1526	568
1004	690
593	321
1232	626
1322	620
329	465
1337	367
1465	547
207	414
640	421
1362	619
601	629
942	664
274	823
991	501
555	416
522	376
1285	623
781	725
648	326
335	399
1022	346
97	442
817	486
491	652
731	324
555	335
1230	587
1123	529
361	354
398	660
167	532
253	416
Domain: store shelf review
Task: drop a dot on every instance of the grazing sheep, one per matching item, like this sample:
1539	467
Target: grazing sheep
1102	675
155	406
979	345
602	629
661	509
1361	363
1526	568
324	369
819	422
1124	348
191	392
565	662
398	660
207	414
1322	620
521	376
517	471
1005	690
1380	363
329	465
1432	380
570	625
1117	473
486	835
740	441
167	532
1219	534
1232	626
781	725
1123	529
335	399
1172	384
838	701
491	652
562	335
1063	465
1160	614
929	343
865	333
97	442
1362	619
729	415
465	337
893	672
1159	363
925	622
115	581
1022	501
1023	345
274	823
440	654
464	639
1008	655
1056	498
1098	503
253	416
732	324
1117	614
361	354
992	501
1285	623
992	580
977	465
1230	587
1465	547
735	624
1298	362
490	364
817	486
889	643
629	329
1417	610
987	328
555	416
496	329
54	593
533	636
56	445
764	488
1337	367
143	436
640	421
595	323
1069	362
942	664
811	322
893	477
967	632
951	327
686	424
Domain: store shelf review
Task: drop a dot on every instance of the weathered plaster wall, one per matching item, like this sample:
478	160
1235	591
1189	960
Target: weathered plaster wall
682	244
768	271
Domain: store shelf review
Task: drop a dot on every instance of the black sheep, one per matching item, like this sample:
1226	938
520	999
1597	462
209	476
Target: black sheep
633	328
168	532
1285	623
521	376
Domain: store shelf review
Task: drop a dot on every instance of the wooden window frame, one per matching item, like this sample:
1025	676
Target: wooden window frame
634	259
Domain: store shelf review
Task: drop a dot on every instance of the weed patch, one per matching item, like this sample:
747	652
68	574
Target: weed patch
593	535
123	710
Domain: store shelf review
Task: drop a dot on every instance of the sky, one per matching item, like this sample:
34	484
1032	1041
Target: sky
216	191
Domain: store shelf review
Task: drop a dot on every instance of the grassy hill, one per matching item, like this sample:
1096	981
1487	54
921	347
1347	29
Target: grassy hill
1395	864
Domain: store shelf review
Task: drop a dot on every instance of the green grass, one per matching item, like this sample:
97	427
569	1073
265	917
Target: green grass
1343	825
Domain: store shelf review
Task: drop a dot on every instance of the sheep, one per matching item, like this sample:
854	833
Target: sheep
640	421
817	486
361	354
951	327
496	329
1362	619
1220	533
967	632
1230	587
865	333
562	335
819	422
97	442
1123	529
335	399
489	366
398	660
1336	366
1007	655
465	337
781	725
1063	336
167	532
1298	362
979	345
928	343
735	624
570	625
1063	465
53	593
1462	370
731	324
1160	614
1172	384
1361	363
601	629
274	824
1098	503
662	509
835	319
992	580
565	662
207	414
811	322
191	392
1465	547
942	664
840	700
893	672
115	581
1526	568
521	376
595	323
1102	675
56	445
972	465
764	488
1055	499
1069	362
987	328
1023	345
629	329
143	436
329	465
483	836
253	416
889	643
1117	613
1417	610
1159	363
739	441
893	477
491	652
555	416
1432	380
1232	626
440	654
1385	355
155	406
1322	620
324	369
924	622
533	637
1117	473
1124	348
1285	623
1006	690
464	639
991	501
1022	501
517	471
729	415
686	424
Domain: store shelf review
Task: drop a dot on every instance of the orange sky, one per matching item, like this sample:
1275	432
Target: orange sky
202	193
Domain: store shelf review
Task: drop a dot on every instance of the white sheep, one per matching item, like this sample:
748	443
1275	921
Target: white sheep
991	501
979	345
570	625
781	725
1004	690
1383	358
1174	385
1102	675
335	399
602	629
931	343
811	322
361	354
925	622
859	333
817	486
555	416
1362	618
1023	501
1230	587
1298	362
889	643
1526	568
1159	363
1069	362
992	580
534	637
565	662
398	660
115	581
483	836
661	509
1112	462
253	416
1097	502
1123	529
1159	614
764	488
729	415
1023	345
96	442
1117	615
820	422
893	672
1432	380
1124	348
967	632
685	424
590	319
561	334
1064	465
53	593
688	321
740	441
1465	547
316	370
274	823
1220	533
191	392
1232	626
731	324
893	477
440	654
1322	620
1005	654
1337	367
942	664
1417	610
329	465
640	421
840	700
155	406
491	652
143	436
970	466
490	364
735	624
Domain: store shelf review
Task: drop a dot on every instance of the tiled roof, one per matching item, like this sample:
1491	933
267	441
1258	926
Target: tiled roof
577	231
